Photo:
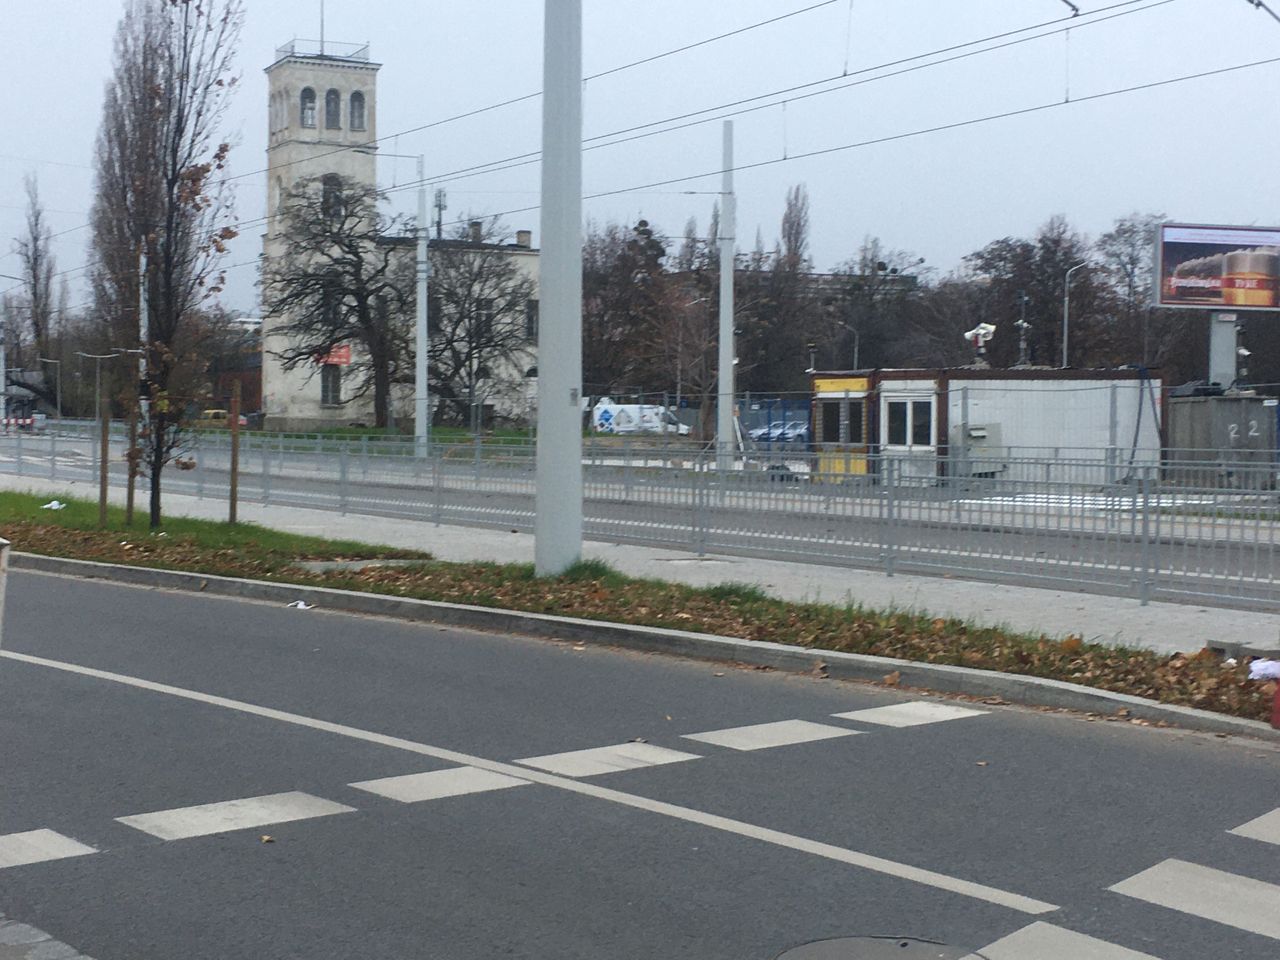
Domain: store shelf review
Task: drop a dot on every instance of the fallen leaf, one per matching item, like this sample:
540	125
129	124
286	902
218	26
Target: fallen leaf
983	763
893	679
266	838
668	716
718	673
637	740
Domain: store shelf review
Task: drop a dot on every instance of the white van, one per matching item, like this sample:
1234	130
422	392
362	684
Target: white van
610	417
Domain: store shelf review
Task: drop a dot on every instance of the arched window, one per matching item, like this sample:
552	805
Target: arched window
332	110
308	107
331	197
355	116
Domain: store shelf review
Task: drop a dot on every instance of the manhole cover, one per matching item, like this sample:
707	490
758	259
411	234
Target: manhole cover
876	948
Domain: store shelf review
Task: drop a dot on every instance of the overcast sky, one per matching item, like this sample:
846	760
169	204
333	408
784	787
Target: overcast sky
1198	150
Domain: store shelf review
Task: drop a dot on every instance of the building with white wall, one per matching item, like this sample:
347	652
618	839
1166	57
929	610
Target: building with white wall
322	116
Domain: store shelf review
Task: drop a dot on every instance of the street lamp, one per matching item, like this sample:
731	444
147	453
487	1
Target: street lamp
4	360
1066	308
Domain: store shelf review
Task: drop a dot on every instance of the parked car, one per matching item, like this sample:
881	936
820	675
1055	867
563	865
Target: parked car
796	431
772	433
218	419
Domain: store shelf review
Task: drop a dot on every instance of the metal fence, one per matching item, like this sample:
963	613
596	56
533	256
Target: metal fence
1184	527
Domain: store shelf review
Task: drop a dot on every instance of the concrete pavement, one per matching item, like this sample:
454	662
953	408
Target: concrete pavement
1165	627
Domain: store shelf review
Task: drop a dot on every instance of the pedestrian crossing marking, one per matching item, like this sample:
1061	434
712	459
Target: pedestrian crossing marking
38	846
210	818
598	760
762	736
1265	828
1236	901
913	714
436	784
1044	941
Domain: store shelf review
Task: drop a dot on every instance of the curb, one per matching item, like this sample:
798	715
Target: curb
1029	691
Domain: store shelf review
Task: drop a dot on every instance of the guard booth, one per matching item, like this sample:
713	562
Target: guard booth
975	421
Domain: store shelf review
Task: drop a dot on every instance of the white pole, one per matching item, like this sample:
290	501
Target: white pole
1066	309
421	407
4	377
558	521
724	402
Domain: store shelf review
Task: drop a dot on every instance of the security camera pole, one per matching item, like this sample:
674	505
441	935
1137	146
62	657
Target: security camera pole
558	519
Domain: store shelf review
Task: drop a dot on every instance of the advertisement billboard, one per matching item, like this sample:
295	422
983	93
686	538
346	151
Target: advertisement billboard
1225	268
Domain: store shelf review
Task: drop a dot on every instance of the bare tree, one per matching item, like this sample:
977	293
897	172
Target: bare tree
159	152
344	278
38	307
483	321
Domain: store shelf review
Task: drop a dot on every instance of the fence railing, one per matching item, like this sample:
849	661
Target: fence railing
1184	527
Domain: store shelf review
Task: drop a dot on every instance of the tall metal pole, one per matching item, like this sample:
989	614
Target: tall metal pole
4	377
1066	309
421	407
558	522
724	402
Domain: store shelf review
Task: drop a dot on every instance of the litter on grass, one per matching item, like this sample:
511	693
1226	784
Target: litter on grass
301	605
1264	670
54	505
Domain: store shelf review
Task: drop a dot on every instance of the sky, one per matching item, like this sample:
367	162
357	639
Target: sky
926	173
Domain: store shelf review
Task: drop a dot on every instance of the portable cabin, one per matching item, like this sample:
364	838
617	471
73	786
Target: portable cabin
973	421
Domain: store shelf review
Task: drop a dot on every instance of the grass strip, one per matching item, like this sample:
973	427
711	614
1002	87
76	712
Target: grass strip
593	590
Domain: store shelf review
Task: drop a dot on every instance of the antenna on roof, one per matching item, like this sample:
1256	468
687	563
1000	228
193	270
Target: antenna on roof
322	28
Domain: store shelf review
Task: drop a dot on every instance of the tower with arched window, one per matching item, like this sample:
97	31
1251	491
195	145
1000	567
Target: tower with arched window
322	117
322	106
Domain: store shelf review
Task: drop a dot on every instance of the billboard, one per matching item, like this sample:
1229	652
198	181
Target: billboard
1223	268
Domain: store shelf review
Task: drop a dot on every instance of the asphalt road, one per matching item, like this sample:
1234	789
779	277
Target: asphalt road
125	712
1102	548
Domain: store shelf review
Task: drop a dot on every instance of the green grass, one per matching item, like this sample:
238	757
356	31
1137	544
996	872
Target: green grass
82	515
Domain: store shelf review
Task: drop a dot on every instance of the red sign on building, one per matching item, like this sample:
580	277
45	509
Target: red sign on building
338	356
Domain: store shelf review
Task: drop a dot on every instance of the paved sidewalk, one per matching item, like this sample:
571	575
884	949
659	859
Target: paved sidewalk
1167	627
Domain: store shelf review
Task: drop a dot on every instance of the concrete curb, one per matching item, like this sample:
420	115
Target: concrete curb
1031	691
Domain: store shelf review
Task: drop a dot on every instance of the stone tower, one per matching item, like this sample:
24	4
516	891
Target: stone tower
322	111
322	102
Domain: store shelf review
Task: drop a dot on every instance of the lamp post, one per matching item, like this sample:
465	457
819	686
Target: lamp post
1066	308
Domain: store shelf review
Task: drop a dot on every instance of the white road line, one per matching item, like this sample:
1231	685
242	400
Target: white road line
762	736
209	818
1265	828
1240	902
912	714
598	760
37	846
865	861
1044	941
436	784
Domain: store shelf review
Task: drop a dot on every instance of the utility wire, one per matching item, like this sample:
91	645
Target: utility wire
753	104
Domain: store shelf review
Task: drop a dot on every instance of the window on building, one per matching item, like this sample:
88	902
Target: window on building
897	436
531	320
331	197
331	385
909	423
330	301
857	422
830	421
308	117
484	321
922	423
333	110
355	115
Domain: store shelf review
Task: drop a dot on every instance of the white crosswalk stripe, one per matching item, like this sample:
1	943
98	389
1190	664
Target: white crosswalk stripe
912	714
762	736
37	846
436	784
597	760
1265	828
1236	901
210	818
1044	941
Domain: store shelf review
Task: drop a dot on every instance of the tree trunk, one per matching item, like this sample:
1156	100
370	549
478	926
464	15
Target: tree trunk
156	441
